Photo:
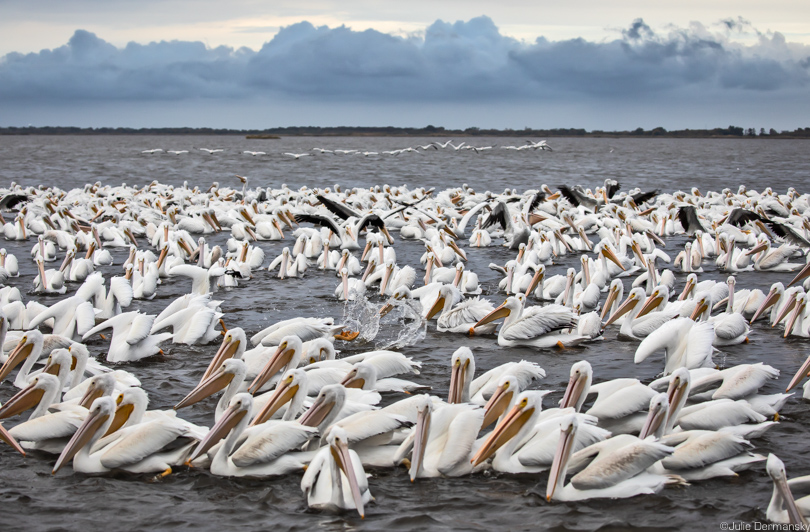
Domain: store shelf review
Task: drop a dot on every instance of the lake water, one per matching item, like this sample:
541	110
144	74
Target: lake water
33	499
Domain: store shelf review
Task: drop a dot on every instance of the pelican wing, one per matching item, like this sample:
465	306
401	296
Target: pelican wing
62	424
469	311
387	363
319	377
699	345
739	382
85	317
363	425
268	441
702	448
122	290
142	441
140	328
540	322
622	402
665	337
461	435
717	414
622	464
730	327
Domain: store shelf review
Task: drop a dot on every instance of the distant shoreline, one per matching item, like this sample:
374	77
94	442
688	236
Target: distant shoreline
429	131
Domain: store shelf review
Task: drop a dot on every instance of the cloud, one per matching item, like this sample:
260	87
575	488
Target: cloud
464	61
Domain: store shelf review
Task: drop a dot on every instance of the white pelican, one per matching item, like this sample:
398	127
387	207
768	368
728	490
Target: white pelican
458	314
335	479
617	471
137	452
267	449
773	259
783	507
685	344
535	326
131	338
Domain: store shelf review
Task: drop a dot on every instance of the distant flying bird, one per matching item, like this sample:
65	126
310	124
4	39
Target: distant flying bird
210	151
153	151
177	152
254	153
297	155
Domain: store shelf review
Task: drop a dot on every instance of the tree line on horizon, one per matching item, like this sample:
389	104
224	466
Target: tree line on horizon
428	131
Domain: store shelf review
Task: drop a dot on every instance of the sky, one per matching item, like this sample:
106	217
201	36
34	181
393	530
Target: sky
259	64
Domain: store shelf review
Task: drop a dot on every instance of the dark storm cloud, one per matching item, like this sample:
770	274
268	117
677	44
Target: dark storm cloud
461	61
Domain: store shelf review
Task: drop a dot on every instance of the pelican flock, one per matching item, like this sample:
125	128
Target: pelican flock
338	390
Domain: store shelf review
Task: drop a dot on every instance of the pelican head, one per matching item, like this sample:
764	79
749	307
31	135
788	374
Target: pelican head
339	447
96	423
99	386
238	409
559	467
500	401
656	417
462	365
363	376
229	370
233	346
287	389
326	407
776	470
288	354
579	382
31	341
527	404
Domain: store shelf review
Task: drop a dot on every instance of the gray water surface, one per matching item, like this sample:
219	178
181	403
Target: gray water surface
32	499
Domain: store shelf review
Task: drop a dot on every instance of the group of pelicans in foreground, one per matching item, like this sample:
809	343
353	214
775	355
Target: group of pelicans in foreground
288	404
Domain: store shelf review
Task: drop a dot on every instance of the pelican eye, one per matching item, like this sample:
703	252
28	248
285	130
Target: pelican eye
524	402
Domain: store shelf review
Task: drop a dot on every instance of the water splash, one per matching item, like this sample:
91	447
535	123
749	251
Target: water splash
359	314
408	318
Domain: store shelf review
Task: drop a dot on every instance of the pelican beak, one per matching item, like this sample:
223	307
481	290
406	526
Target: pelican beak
369	270
92	393
344	279
628	305
206	388
574	391
791	302
797	311
389	270
421	433
796	378
162	257
505	431
537	280
131	236
612	295
497	404
639	254
460	252
458	379
457	277
803	274
437	307
387	235
756	249
498	313
278	228
282	395
365	251
450	232
319	410
428	269
341	455
385	309
23	400
655	418
794	515
282	357
17	355
122	415
226	350
699	309
690	284
652	302
608	253
92	423
9	439
351	380
230	418
42	279
560	463
248	218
